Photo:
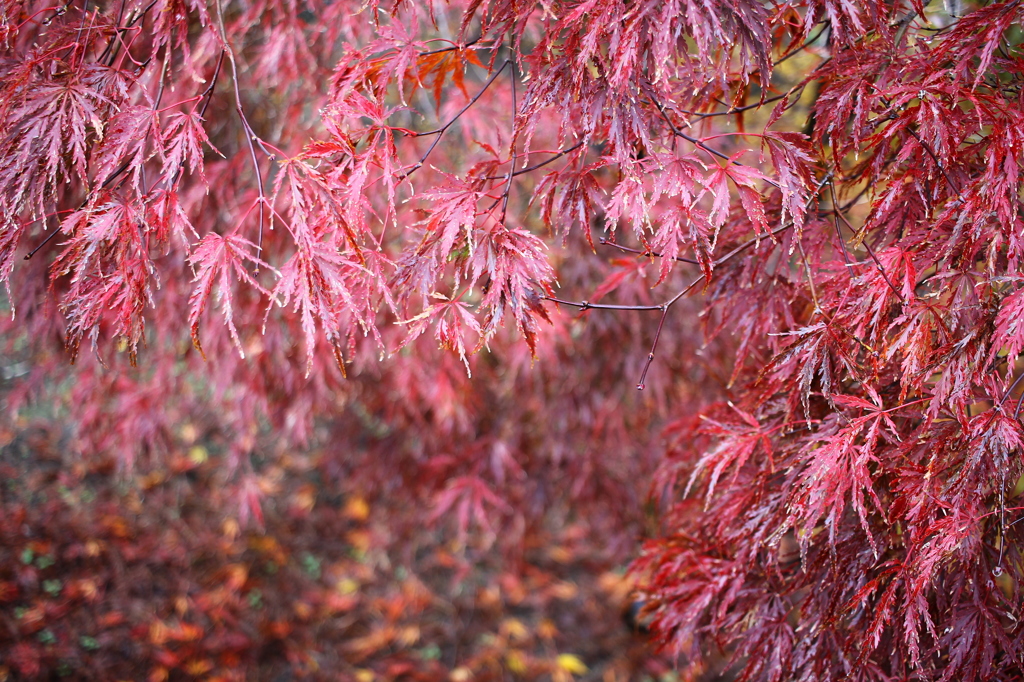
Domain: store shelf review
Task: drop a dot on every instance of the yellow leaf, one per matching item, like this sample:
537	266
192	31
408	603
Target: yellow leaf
547	629
357	509
564	591
571	664
359	539
231	529
152	480
617	585
515	629
235	576
461	674
158	632
88	588
197	454
200	667
560	554
346	586
305	498
409	635
515	663
189	433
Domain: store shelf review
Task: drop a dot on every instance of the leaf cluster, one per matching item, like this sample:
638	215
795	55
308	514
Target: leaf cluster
828	192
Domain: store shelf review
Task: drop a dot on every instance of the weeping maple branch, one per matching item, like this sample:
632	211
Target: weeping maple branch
697	142
439	132
250	135
665	306
511	146
646	254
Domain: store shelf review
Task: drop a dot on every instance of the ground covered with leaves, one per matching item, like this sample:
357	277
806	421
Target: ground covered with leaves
109	576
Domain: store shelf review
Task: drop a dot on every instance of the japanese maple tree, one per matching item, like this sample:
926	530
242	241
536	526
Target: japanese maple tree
794	225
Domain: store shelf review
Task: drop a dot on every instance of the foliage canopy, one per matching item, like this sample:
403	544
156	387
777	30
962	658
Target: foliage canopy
827	192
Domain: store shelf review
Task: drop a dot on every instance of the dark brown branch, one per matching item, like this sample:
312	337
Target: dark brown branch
116	39
528	169
208	93
640	385
806	44
1010	390
661	323
162	77
700	143
881	271
736	110
645	254
250	136
49	237
439	132
451	48
835	219
57	12
871	253
511	148
567	150
938	164
930	152
810	277
586	305
106	183
664	307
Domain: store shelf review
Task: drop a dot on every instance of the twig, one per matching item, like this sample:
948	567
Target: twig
645	254
115	39
736	110
700	143
640	385
664	307
938	163
1010	390
871	253
440	131
523	171
802	47
881	271
850	204
1002	522
250	136
587	305
213	83
511	148
810	275
661	323
56	230
162	77
835	219
106	183
448	49
57	12
928	149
